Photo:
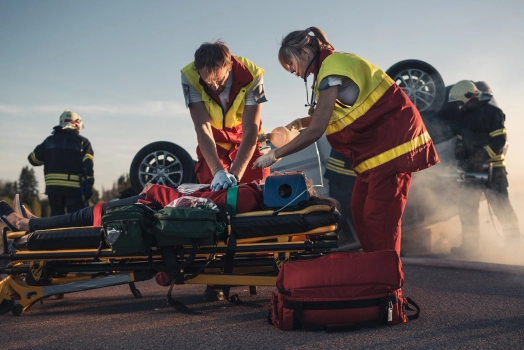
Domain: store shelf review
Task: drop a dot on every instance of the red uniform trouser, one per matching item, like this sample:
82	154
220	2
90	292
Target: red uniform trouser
377	206
205	176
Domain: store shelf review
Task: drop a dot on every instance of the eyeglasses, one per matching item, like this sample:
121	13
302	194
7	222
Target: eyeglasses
211	79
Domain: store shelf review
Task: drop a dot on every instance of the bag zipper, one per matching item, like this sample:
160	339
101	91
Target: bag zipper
185	219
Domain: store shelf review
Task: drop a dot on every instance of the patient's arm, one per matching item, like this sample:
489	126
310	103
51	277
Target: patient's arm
146	188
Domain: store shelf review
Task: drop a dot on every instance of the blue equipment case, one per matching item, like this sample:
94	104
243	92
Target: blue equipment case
285	190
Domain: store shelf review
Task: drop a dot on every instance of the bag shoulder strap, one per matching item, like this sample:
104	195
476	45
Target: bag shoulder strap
232	195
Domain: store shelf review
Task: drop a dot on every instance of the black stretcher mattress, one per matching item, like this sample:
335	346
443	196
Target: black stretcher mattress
242	227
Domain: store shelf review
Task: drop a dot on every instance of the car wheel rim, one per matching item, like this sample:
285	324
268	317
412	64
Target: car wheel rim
162	168
419	86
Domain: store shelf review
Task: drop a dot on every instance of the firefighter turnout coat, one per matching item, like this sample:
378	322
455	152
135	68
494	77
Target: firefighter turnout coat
65	154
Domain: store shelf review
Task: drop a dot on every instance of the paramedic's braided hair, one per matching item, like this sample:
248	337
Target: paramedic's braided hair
295	41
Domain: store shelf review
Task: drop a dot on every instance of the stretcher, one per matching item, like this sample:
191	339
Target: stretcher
60	261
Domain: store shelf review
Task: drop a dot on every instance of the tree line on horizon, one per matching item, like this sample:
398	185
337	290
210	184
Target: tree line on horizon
27	188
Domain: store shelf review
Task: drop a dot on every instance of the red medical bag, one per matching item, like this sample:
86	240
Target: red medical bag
339	291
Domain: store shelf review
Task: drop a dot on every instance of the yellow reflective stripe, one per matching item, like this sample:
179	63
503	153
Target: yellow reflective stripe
498	164
498	132
358	111
491	153
62	183
497	158
36	160
393	153
459	137
88	156
339	170
62	177
336	162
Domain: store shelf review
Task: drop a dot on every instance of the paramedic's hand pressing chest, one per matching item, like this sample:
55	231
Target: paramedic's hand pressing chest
223	180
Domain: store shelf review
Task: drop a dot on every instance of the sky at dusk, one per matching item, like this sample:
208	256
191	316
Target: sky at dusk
117	63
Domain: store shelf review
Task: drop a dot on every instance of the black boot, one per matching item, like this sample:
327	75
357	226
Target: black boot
213	293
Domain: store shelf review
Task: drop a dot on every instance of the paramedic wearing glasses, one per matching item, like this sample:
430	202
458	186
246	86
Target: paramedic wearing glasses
368	119
224	94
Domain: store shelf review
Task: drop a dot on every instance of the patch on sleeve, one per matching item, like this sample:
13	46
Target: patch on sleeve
259	93
186	89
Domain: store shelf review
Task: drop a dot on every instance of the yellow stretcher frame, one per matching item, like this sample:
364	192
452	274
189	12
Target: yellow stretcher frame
14	288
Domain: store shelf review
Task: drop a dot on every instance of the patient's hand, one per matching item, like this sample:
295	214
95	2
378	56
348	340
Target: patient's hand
147	187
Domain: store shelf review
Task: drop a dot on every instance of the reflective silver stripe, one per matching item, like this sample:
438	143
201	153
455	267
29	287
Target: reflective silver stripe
86	285
67	177
88	156
498	132
36	160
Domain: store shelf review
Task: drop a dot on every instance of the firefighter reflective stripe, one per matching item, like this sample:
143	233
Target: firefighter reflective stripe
338	166
63	184
498	132
88	156
71	177
66	180
393	153
36	160
498	164
497	160
459	137
491	153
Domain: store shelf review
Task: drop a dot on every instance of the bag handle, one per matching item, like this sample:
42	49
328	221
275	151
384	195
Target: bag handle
417	308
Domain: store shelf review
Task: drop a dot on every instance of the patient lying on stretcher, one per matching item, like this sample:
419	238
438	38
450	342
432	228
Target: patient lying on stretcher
157	196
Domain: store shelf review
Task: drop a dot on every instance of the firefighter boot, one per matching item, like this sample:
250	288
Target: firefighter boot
512	243
469	247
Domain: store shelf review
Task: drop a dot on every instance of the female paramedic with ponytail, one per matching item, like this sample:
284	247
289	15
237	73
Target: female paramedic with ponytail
368	119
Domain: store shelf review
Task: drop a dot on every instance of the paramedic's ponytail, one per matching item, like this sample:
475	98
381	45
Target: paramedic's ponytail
298	40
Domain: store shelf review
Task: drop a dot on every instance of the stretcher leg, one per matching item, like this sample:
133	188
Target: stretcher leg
14	288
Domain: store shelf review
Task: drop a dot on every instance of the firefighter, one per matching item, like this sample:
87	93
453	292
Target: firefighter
368	119
481	144
224	94
68	159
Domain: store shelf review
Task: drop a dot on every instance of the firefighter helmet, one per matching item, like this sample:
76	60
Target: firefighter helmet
71	117
463	91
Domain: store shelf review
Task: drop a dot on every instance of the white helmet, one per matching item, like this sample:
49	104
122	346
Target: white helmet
463	91
70	117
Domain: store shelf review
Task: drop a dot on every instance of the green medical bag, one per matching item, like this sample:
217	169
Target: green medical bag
127	228
185	226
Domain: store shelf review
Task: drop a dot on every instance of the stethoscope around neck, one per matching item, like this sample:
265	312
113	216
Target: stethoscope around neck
310	102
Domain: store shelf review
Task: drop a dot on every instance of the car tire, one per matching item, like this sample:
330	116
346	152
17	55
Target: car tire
421	82
162	163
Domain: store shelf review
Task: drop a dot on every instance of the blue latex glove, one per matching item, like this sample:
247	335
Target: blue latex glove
223	180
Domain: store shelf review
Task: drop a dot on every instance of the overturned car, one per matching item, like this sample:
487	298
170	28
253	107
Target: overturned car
433	194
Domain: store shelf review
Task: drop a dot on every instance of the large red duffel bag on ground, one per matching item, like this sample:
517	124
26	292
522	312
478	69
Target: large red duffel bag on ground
340	291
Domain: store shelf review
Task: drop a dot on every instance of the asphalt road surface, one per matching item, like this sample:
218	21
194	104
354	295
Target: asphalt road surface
461	309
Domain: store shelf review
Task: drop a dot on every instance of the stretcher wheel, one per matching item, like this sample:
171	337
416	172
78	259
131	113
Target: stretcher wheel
17	310
59	296
6	306
253	290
